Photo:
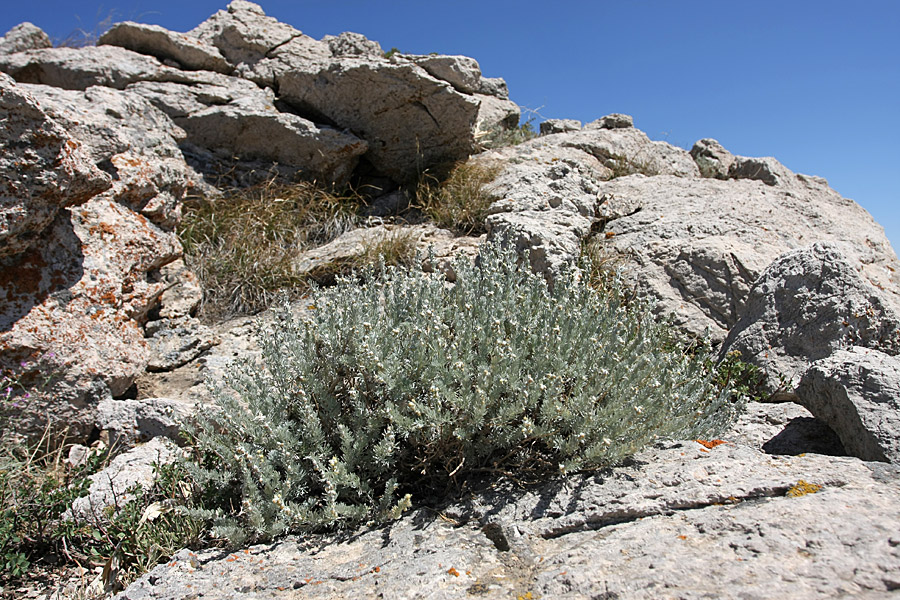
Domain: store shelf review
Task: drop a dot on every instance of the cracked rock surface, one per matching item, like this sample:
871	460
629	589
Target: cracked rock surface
680	521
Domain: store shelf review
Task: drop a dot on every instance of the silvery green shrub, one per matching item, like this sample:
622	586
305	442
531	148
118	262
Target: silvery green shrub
401	384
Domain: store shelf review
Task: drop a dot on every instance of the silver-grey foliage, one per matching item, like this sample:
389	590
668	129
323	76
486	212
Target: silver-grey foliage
403	384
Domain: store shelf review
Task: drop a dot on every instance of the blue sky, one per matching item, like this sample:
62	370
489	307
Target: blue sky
815	84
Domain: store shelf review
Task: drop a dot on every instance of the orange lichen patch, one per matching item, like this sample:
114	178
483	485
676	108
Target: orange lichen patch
710	443
802	488
453	571
682	537
610	234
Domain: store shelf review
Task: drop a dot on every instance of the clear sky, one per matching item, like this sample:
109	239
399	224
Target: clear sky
815	84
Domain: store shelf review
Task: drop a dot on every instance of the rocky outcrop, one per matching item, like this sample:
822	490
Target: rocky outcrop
25	36
559	126
712	159
856	392
806	305
43	169
683	520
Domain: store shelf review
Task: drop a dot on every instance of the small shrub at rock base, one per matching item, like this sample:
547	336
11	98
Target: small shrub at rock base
402	387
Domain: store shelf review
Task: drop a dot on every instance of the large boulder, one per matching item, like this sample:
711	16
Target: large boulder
682	520
806	305
712	159
697	246
857	393
43	169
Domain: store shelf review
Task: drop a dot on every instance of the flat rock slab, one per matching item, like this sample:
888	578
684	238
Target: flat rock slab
681	521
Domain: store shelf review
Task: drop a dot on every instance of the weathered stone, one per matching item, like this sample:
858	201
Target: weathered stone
494	86
784	428
696	246
24	36
186	50
253	129
42	169
80	68
613	121
495	113
132	140
806	305
259	46
462	72
626	151
360	246
546	201
183	293
559	126
671	524
766	169
353	44
126	423
409	119
176	342
135	467
712	159
857	393
71	312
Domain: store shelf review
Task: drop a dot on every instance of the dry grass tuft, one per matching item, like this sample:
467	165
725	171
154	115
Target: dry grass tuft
241	245
460	202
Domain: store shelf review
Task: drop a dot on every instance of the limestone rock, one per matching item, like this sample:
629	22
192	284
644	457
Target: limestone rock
253	129
559	126
187	51
176	342
408	118
353	44
784	428
259	47
462	72
496	113
806	305
183	293
673	523
70	320
613	121
857	393
135	467
626	150
546	201
80	68
126	423
360	246
136	143
712	159
43	169
697	246
766	169
494	86
24	36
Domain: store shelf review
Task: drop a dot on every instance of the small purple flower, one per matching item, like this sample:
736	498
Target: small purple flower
23	364
27	395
